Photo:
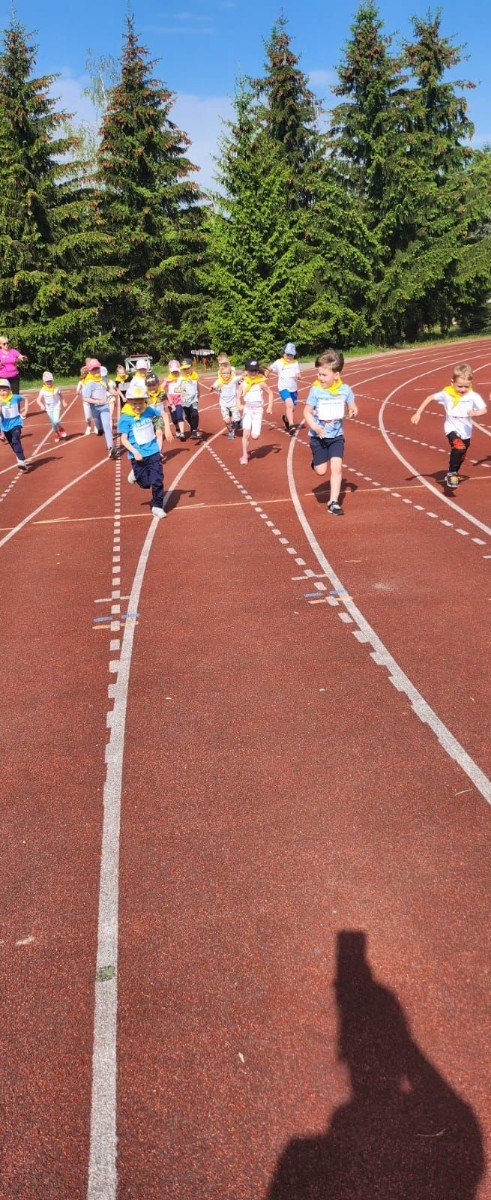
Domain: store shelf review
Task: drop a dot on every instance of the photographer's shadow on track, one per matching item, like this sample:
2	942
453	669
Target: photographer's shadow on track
404	1134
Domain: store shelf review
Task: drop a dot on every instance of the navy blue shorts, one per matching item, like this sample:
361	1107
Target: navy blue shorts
323	449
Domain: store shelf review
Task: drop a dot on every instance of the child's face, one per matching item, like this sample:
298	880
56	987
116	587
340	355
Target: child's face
4	392
327	375
289	357
462	385
138	405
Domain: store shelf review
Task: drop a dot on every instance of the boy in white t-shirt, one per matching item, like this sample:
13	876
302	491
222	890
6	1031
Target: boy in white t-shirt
460	403
227	385
252	395
51	400
288	371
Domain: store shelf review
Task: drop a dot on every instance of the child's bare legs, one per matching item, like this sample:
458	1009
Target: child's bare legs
246	434
289	411
336	465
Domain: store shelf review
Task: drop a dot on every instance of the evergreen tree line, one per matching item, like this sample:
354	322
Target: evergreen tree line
367	224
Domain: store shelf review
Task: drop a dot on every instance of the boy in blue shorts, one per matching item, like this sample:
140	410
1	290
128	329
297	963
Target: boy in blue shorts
139	438
325	410
287	371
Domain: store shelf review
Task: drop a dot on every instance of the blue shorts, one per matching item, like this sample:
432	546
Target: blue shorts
286	395
323	449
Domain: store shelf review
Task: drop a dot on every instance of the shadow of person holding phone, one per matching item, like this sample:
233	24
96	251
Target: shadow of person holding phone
404	1134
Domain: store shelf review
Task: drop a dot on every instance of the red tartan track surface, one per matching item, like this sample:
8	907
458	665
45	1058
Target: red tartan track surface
246	789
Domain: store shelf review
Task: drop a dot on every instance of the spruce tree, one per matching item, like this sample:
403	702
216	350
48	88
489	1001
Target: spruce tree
149	206
50	288
289	108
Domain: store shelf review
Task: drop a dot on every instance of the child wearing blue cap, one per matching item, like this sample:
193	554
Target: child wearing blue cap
287	371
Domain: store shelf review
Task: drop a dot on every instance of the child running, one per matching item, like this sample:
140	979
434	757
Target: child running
96	392
11	421
227	385
325	410
251	397
460	403
51	400
288	371
172	385
157	398
189	381
138	436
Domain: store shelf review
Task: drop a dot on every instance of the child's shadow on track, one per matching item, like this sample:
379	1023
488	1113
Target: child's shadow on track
42	462
322	492
175	498
263	451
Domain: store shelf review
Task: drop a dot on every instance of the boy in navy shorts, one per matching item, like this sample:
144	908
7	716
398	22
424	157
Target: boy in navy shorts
325	410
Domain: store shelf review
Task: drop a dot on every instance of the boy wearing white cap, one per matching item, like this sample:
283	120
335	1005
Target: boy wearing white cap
287	371
136	426
51	400
11	420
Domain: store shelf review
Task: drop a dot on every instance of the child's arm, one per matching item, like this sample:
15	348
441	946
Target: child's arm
268	392
168	434
132	449
311	421
419	411
352	408
478	412
25	410
39	401
240	396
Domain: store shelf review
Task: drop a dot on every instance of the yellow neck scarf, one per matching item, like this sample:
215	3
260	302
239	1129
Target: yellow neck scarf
221	380
250	380
46	388
456	396
288	362
6	399
333	389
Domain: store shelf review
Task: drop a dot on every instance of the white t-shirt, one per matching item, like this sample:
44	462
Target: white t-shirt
227	389
456	412
50	397
287	373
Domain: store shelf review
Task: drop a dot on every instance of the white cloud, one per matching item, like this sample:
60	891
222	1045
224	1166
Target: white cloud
199	117
68	91
202	119
322	79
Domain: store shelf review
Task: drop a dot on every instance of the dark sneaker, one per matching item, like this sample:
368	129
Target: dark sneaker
335	509
112	453
286	422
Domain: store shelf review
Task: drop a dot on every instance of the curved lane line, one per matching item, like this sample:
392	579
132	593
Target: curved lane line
383	658
430	486
102	1176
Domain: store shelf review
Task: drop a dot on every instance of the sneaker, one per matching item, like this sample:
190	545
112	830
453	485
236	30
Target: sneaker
57	437
113	453
286	422
231	435
335	509
62	433
159	512
87	431
96	432
452	480
23	466
244	460
292	430
182	437
132	476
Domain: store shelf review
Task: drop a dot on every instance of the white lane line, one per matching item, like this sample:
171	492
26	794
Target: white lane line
102	1179
17	528
365	633
431	488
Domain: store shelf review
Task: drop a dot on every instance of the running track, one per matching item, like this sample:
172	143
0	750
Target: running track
246	767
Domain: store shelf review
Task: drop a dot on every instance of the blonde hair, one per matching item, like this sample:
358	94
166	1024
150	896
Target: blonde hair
462	371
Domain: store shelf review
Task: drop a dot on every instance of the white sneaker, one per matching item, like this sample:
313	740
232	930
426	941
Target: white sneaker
131	476
22	465
159	512
87	431
96	431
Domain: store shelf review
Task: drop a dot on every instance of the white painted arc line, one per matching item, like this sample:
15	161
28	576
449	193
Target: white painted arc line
51	500
431	488
397	676
102	1178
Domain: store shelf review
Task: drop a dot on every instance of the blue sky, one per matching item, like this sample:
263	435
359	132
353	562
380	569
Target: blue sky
203	45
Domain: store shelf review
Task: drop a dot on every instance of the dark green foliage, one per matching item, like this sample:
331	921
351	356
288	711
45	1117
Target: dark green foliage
149	208
50	291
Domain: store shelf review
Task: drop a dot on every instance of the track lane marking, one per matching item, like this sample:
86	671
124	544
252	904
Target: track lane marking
382	657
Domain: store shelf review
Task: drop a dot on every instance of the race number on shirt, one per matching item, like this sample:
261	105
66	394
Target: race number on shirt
330	410
143	432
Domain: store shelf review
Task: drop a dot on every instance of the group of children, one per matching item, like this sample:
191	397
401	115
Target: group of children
149	408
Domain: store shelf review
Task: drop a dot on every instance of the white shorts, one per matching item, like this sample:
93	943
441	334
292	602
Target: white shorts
229	411
252	419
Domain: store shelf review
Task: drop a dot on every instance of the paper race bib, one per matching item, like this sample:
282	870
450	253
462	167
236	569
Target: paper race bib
330	410
143	432
9	411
